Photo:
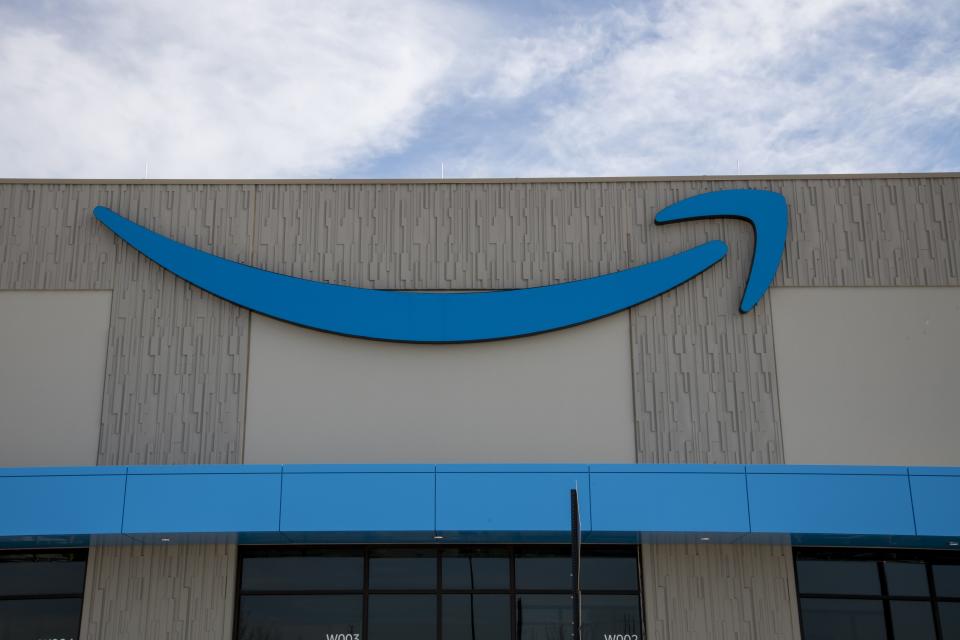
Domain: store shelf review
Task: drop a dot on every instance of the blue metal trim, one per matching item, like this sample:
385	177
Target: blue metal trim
330	503
934	471
206	469
510	501
513	468
202	503
358	468
825	469
668	468
669	502
936	504
376	501
46	472
61	504
830	503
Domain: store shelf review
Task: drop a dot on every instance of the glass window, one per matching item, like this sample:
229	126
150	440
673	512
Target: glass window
402	617
608	570
549	570
476	569
333	571
475	617
41	573
611	616
950	619
842	619
912	619
292	617
448	592
41	594
906	578
40	618
841	577
544	617
946	580
403	569
859	593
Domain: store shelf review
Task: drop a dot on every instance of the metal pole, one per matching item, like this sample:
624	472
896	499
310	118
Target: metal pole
575	557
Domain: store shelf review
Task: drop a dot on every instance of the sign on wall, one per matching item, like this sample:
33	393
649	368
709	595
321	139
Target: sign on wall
448	317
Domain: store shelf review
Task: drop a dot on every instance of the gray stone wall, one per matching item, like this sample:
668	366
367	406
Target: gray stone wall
720	592
159	592
705	382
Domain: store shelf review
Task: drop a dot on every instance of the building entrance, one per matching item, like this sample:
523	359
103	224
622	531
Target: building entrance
436	593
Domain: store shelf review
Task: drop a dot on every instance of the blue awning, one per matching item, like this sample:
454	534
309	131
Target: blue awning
870	506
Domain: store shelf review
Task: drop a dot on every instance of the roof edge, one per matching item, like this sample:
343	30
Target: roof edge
559	180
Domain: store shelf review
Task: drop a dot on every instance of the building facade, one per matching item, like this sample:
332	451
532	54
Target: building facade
176	465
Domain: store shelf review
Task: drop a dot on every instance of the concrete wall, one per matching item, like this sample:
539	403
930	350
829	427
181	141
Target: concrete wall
158	592
704	377
869	375
52	352
720	591
559	397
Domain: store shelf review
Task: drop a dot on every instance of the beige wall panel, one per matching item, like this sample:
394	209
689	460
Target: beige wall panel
719	592
564	396
52	350
160	592
869	375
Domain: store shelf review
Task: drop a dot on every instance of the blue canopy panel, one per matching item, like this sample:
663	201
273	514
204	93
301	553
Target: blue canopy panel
863	506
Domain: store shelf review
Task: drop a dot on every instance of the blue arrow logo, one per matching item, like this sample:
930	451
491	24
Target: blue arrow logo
765	210
405	316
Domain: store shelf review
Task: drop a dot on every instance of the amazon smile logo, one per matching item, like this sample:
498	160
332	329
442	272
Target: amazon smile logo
404	316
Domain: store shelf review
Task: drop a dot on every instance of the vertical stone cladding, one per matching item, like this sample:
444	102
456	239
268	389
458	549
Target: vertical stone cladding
441	236
160	592
49	240
720	592
175	390
174	393
705	391
872	232
705	383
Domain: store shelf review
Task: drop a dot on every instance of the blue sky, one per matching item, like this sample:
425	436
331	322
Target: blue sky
382	89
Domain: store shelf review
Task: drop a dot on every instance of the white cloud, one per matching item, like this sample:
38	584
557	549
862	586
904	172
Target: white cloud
515	66
211	89
302	89
698	87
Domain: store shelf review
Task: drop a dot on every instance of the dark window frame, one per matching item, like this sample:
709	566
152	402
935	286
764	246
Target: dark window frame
247	551
36	555
927	557
82	553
